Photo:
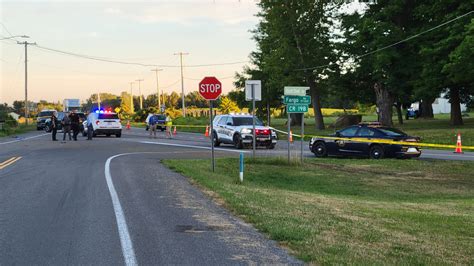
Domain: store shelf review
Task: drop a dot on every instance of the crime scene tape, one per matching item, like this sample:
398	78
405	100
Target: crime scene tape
364	140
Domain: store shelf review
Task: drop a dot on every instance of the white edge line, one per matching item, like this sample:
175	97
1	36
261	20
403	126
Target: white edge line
190	146
125	239
18	140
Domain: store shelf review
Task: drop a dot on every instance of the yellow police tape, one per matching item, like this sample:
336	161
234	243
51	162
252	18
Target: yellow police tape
365	140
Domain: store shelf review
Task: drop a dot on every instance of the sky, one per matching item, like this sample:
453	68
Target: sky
147	32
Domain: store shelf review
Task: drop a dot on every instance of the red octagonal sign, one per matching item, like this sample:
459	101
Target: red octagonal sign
210	88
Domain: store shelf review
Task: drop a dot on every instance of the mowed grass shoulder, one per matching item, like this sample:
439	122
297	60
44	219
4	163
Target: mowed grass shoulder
352	211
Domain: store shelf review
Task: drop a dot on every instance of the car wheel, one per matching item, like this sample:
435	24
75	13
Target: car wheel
215	139
84	134
38	128
47	129
162	129
271	146
118	135
376	152
94	134
320	150
238	141
146	128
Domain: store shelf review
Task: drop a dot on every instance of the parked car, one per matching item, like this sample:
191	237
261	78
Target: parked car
104	123
365	143
42	117
161	122
236	129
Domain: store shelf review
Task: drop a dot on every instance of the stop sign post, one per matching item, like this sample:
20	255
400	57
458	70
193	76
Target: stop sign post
210	89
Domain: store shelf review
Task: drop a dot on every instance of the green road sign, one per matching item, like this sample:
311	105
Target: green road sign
291	108
291	99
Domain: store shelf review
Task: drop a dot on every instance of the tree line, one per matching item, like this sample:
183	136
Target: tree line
388	53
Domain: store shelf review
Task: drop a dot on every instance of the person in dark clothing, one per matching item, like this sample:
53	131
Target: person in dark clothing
74	125
54	125
90	130
66	127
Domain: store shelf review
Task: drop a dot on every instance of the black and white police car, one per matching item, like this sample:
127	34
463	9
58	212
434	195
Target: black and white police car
104	123
236	129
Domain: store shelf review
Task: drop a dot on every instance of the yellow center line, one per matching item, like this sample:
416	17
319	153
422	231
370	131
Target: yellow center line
9	162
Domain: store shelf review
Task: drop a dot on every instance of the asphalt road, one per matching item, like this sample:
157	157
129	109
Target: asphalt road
75	203
110	201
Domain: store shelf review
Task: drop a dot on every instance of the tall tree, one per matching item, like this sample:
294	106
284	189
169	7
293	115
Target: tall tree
293	36
389	71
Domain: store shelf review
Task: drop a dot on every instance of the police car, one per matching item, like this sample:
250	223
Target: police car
104	123
236	129
365	140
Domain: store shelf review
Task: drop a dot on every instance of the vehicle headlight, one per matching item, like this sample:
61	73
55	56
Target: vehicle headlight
246	131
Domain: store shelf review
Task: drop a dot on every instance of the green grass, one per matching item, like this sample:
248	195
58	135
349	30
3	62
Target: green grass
8	131
347	211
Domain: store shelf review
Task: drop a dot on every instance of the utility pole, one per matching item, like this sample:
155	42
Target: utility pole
140	92
182	80
156	70
26	77
131	98
98	100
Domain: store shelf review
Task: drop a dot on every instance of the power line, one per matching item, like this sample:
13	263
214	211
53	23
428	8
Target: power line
394	44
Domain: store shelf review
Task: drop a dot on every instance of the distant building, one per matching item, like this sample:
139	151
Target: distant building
440	106
71	104
14	115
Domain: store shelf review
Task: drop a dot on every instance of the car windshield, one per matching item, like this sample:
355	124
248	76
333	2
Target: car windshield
45	113
393	132
246	121
108	116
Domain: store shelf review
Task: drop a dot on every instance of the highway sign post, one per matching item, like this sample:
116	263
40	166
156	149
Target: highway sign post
296	101
210	89
253	92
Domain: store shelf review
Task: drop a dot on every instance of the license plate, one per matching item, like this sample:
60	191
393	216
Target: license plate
262	139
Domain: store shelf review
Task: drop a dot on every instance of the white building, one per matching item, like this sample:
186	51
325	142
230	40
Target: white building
440	106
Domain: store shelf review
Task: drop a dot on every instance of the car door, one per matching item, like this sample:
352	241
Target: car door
344	145
365	133
220	128
229	129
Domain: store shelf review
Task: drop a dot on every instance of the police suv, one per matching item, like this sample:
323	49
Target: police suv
236	129
104	123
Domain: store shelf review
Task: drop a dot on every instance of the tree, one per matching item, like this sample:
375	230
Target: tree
389	72
228	106
293	36
448	51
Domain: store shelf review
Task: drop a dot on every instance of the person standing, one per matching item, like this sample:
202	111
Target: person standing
90	129
168	124
153	121
66	121
75	125
54	125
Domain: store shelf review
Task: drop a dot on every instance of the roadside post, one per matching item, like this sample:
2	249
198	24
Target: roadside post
296	101
241	172
210	89
253	92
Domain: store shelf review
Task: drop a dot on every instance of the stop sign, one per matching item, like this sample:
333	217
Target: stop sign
210	88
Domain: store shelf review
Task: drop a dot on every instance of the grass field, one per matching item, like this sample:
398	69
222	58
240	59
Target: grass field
17	130
346	211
